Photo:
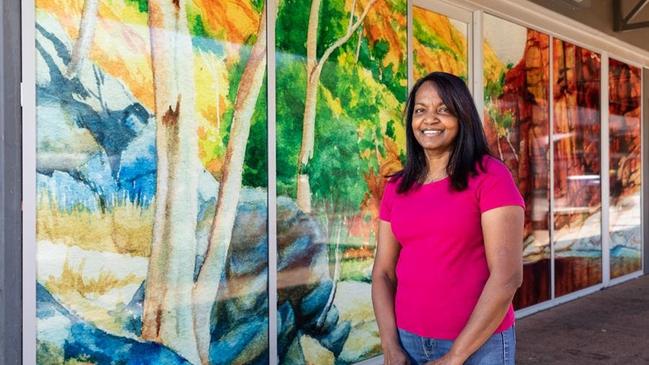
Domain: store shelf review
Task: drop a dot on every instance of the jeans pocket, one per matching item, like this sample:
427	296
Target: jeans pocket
413	345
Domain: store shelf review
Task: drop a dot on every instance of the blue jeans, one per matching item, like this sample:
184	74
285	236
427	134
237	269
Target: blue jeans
500	349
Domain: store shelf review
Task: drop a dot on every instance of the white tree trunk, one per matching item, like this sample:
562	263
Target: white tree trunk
207	285
314	69
84	40
308	140
167	316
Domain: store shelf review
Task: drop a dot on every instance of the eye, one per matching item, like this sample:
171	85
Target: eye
419	110
443	110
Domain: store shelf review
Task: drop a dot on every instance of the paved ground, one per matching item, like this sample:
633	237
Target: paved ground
608	327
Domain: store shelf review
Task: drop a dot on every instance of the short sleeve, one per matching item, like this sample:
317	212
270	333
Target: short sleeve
387	200
498	188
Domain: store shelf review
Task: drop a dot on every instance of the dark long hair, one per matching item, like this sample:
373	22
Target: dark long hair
470	145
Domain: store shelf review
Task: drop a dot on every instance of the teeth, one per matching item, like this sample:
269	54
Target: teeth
431	132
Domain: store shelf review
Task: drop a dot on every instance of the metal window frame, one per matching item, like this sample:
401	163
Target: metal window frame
273	330
645	169
28	17
10	190
605	184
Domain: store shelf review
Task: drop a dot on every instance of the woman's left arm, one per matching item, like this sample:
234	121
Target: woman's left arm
503	237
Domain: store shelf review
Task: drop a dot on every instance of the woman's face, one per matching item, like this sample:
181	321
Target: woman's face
434	126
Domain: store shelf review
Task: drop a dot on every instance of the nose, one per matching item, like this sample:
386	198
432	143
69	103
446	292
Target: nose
431	117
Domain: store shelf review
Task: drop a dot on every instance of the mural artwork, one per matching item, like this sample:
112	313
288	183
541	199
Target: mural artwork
625	173
341	87
516	117
577	162
152	169
151	174
439	44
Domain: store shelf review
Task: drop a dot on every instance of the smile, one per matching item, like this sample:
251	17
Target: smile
432	132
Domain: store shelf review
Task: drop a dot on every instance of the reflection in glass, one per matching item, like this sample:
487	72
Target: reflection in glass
439	44
625	171
577	162
516	71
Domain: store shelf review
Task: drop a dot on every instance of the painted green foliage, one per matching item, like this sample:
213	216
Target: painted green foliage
142	5
255	173
432	41
348	122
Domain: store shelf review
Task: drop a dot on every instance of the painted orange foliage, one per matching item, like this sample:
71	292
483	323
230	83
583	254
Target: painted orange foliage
389	164
232	21
452	58
363	252
380	25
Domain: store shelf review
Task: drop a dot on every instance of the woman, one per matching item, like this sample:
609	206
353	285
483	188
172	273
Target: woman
449	256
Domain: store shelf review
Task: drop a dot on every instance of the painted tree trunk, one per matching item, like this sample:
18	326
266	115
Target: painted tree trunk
308	140
84	40
167	317
314	69
308	121
207	285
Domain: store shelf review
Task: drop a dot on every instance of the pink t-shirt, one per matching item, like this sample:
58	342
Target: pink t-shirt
442	267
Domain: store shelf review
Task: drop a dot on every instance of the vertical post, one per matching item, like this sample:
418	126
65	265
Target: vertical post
604	173
28	63
617	15
645	169
551	134
273	331
10	193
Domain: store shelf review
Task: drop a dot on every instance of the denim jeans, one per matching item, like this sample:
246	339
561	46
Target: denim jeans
500	349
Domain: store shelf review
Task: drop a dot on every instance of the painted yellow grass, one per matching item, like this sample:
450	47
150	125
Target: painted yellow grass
73	281
82	295
125	229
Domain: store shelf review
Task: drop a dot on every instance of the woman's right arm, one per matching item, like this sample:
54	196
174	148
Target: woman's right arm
384	283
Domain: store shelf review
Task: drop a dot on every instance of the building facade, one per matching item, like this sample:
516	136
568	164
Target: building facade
201	179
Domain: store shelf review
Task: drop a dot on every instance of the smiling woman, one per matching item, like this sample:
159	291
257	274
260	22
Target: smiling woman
449	249
434	126
444	135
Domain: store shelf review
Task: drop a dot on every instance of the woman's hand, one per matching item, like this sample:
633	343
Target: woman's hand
395	356
446	360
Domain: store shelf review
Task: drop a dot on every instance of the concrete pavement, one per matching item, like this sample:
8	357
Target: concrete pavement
607	327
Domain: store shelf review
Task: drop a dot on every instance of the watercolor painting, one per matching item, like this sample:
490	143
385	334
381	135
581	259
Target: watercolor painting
341	88
517	123
625	172
152	170
439	44
151	181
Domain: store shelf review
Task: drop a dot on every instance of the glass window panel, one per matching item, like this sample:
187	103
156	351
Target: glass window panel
339	133
440	43
133	263
577	163
625	168
516	115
